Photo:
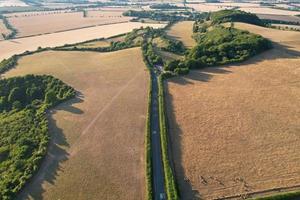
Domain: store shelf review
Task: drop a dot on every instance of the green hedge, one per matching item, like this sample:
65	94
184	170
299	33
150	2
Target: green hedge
281	196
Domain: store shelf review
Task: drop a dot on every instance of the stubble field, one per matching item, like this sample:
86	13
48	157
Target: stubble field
34	23
17	46
235	129
97	140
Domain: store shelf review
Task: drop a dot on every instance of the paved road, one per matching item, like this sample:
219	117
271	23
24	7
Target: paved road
157	165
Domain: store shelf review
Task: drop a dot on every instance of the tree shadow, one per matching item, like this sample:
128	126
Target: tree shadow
187	192
280	51
184	187
56	153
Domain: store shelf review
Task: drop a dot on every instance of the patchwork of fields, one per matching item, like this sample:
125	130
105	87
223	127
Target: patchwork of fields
17	46
234	129
34	24
97	140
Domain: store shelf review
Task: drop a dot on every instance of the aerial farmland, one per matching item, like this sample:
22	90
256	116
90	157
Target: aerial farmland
149	100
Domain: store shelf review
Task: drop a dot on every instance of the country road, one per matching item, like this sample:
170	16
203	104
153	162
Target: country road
157	165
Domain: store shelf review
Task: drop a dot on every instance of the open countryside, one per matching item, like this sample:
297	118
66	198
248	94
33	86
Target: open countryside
149	100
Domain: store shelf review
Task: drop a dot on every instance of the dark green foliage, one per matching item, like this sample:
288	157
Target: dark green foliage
165	6
225	45
6	64
234	16
24	126
165	16
281	196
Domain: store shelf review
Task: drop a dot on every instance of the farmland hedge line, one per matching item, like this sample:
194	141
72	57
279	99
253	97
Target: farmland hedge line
283	196
24	127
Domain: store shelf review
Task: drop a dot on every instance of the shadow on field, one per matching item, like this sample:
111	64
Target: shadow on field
56	153
280	51
175	155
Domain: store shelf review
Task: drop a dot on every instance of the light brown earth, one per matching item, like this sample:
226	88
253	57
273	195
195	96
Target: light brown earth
17	46
3	30
235	129
183	31
97	139
287	18
35	24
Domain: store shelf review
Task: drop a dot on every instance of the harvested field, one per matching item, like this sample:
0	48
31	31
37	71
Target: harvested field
20	45
287	18
234	129
35	24
97	139
295	27
183	31
272	11
3	30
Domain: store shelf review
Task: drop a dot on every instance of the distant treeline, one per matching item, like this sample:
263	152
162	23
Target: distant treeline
166	6
165	16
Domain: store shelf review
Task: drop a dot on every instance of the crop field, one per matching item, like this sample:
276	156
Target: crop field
20	45
295	27
234	129
35	24
97	140
248	7
183	31
3	30
287	18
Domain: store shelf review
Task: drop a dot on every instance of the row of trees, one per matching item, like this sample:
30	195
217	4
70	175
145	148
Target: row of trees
24	127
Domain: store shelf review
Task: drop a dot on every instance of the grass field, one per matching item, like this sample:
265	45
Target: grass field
97	140
287	18
20	45
34	23
234	129
183	31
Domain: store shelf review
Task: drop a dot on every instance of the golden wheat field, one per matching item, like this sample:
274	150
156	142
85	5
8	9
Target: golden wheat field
34	24
183	31
97	139
235	129
17	46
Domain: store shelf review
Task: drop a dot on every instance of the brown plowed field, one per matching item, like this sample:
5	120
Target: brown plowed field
235	129
97	140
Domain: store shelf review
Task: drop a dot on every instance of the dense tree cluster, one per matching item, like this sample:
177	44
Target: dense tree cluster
223	16
225	45
165	16
24	126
